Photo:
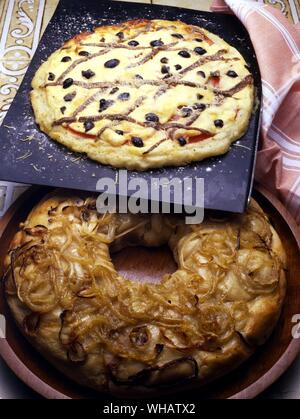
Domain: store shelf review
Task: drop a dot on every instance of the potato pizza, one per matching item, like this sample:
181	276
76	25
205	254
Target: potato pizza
144	94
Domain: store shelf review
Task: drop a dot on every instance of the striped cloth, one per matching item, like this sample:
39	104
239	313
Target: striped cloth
277	45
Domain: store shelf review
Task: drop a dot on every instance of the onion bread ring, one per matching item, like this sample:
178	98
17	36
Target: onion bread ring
132	338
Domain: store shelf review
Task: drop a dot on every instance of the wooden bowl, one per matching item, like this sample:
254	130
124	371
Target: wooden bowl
247	381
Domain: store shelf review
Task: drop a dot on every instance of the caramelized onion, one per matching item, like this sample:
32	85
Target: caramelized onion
216	320
31	323
139	336
65	329
173	372
258	272
76	353
38	230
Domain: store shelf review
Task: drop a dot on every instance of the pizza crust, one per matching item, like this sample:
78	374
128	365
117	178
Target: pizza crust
225	314
170	99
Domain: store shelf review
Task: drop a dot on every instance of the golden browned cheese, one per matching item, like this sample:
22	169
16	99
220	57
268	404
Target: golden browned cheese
135	338
144	94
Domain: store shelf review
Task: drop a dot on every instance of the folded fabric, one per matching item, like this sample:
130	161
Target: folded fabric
277	45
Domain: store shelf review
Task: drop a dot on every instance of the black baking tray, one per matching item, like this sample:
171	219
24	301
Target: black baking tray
228	178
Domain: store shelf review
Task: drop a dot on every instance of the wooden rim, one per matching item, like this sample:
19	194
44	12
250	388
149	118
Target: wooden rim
255	388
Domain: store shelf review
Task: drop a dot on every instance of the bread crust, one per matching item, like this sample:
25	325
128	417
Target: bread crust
187	103
235	316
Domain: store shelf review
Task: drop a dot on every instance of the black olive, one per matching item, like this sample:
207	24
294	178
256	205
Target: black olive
156	43
102	39
199	96
120	35
198	40
65	59
88	125
199	106
69	97
151	117
84	53
199	50
67	83
231	73
104	104
165	69
201	73
178	67
137	141
51	76
181	141
138	76
119	131
164	60
186	112
87	74
177	35
218	123
62	109
124	96
112	63
167	76
133	43
113	90
184	54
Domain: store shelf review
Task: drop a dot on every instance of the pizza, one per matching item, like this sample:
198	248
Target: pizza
144	94
131	338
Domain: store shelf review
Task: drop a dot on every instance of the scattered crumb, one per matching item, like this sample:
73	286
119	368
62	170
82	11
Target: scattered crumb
76	159
28	138
25	156
35	167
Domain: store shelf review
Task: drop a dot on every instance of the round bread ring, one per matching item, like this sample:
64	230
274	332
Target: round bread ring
131	338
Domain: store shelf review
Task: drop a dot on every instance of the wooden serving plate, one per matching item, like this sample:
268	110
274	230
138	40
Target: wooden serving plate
247	381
